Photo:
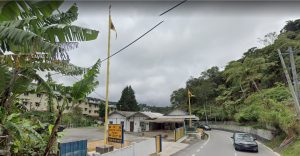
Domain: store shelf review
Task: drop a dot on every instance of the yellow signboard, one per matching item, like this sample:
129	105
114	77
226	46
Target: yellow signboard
115	133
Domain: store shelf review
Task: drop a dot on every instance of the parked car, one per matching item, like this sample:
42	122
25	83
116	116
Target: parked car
244	142
61	128
205	127
46	127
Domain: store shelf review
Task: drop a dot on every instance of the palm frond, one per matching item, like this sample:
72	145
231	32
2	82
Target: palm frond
12	10
68	33
63	18
86	85
18	40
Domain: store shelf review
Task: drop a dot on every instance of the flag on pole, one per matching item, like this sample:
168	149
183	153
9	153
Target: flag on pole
112	26
190	93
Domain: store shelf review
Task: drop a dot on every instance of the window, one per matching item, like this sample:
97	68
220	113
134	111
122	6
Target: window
37	104
38	95
111	122
25	103
90	105
57	107
85	109
25	94
95	111
90	111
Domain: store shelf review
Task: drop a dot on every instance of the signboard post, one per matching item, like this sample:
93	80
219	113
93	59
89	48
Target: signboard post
116	133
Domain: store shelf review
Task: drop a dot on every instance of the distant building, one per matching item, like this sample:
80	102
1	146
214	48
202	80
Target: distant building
39	102
150	121
174	119
132	121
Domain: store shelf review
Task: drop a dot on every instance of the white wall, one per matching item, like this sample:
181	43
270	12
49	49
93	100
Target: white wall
137	119
144	148
117	119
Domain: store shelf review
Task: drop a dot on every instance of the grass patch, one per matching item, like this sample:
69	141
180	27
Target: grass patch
274	143
292	150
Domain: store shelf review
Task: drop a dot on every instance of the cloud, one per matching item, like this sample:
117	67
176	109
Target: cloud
193	38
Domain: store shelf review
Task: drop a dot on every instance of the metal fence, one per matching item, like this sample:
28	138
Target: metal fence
76	148
179	133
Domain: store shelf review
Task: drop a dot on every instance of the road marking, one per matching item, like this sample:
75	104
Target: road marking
198	150
193	154
207	139
268	148
235	154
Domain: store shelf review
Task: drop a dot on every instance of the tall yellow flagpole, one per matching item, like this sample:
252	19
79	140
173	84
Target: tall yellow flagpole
107	79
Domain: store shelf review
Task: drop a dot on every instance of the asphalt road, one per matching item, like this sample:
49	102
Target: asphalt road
220	144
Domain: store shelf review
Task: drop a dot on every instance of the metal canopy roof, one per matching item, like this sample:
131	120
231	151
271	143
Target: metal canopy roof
164	120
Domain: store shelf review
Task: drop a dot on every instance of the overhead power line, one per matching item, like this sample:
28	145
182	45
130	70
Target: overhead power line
172	7
142	34
133	41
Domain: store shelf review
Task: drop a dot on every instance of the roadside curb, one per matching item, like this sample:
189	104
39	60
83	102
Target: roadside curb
181	139
269	148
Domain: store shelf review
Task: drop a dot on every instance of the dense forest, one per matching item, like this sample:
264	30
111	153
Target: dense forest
251	90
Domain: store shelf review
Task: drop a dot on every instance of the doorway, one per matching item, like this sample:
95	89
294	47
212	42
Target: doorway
131	126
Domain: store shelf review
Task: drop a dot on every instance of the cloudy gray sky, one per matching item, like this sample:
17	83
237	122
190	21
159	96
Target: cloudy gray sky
193	38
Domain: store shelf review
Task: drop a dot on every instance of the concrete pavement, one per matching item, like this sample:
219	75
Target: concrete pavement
170	148
219	143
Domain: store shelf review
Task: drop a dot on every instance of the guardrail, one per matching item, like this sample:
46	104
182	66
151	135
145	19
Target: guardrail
261	134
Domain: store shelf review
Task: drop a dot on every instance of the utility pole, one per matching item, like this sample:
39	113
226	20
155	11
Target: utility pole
296	101
189	96
205	112
294	72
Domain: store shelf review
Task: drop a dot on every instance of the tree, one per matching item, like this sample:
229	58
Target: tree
78	91
101	110
179	98
37	36
127	101
268	39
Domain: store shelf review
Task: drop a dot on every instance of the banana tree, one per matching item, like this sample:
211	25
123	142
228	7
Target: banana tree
78	91
36	36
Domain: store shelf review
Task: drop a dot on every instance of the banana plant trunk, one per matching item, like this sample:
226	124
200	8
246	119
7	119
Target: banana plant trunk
53	135
6	96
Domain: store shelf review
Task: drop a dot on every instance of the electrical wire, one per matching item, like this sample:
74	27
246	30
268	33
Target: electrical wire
172	7
133	41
